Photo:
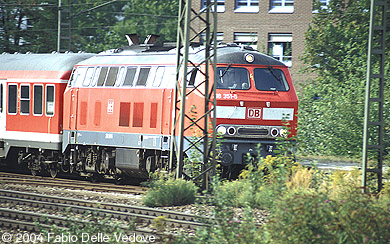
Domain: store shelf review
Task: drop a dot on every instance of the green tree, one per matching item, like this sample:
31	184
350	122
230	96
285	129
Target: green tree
146	17
28	26
332	105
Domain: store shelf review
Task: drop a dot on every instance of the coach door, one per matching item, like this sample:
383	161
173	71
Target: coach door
3	84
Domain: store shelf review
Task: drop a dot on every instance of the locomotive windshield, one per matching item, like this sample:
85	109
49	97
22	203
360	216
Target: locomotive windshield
232	78
270	79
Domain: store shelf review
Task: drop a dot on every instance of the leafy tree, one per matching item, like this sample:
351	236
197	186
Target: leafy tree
28	26
332	105
146	17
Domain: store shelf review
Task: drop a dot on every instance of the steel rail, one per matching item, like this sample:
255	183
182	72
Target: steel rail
119	211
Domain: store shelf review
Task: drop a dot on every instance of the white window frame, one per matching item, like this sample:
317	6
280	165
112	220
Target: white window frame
246	38
219	37
283	39
42	99
25	99
252	6
323	5
284	8
220	6
53	105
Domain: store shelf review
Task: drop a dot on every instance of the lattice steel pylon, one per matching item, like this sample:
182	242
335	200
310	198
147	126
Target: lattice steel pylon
184	123
373	111
64	26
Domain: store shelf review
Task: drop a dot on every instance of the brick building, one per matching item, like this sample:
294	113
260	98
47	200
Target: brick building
275	27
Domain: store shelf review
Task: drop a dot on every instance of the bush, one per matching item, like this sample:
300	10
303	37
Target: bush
170	192
303	217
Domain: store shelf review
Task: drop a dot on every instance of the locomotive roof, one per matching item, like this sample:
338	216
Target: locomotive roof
46	62
142	55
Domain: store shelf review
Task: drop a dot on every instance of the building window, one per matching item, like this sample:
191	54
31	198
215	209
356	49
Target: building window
220	5
219	37
246	38
247	6
279	47
319	5
281	6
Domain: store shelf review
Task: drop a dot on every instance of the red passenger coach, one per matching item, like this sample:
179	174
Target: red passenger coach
31	110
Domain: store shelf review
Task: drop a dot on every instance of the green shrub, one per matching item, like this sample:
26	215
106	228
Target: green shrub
170	192
312	217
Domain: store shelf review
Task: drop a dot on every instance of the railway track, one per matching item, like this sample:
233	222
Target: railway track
144	215
14	178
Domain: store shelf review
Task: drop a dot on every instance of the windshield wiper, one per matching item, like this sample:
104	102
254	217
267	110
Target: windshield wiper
271	70
224	72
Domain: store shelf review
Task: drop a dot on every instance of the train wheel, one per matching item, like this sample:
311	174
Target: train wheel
53	171
34	172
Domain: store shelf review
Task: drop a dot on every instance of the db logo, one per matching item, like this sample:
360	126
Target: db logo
254	113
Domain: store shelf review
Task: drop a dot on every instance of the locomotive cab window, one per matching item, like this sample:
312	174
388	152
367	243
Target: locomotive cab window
12	99
78	76
25	99
38	100
270	79
232	78
88	76
50	100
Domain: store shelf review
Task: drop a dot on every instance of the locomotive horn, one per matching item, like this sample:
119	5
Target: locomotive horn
151	39
132	39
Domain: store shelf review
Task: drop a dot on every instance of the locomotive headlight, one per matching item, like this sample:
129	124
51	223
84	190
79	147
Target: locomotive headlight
231	131
274	132
221	130
283	132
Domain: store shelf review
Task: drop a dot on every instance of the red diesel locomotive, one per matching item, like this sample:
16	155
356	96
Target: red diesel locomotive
113	115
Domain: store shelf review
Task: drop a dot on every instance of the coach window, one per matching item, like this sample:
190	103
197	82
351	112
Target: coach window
25	99
96	76
12	99
38	100
102	76
143	76
88	76
159	76
49	100
130	74
111	77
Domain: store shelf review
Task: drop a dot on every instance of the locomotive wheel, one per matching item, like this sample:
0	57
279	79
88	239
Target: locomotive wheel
34	172
53	171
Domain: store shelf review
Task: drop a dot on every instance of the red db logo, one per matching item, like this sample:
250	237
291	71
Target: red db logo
254	113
